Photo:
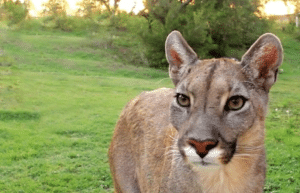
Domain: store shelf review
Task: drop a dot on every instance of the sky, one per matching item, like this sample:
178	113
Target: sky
271	8
278	8
125	5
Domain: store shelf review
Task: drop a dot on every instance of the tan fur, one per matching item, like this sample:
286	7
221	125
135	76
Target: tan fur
146	152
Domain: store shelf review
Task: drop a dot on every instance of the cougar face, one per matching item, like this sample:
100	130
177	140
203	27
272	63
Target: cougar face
217	100
212	107
207	134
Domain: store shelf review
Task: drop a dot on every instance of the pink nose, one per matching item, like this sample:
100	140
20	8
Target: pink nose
203	147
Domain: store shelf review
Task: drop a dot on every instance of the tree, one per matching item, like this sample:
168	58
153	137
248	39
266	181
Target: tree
55	8
209	26
16	11
116	6
106	4
89	7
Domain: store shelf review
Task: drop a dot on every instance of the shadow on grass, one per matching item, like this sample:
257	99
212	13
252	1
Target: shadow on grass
18	115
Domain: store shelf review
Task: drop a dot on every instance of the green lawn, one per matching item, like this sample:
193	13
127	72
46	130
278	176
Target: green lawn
61	95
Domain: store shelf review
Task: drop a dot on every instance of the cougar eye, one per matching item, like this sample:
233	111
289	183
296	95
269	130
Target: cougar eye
235	103
183	100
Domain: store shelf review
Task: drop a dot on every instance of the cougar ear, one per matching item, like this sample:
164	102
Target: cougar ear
179	54
262	60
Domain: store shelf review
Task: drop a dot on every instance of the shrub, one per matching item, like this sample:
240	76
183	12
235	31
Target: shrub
70	24
31	24
298	35
291	27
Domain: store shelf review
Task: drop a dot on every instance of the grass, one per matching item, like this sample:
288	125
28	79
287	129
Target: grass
283	123
59	103
56	133
61	95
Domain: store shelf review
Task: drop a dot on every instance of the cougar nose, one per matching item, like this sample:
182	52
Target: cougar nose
202	147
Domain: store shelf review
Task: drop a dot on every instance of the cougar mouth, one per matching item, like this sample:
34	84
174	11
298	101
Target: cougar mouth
221	154
212	158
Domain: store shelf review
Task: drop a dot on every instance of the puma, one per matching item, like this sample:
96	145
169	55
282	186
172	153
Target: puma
207	134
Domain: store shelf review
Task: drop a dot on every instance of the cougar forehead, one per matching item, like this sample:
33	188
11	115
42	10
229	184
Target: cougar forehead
215	77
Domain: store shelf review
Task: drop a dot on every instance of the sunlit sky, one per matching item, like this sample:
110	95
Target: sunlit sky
271	8
279	8
125	5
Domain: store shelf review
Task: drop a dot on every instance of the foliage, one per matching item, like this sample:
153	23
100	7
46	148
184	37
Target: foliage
16	11
55	8
232	24
105	3
297	36
290	27
31	24
89	8
88	16
64	23
55	15
292	30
